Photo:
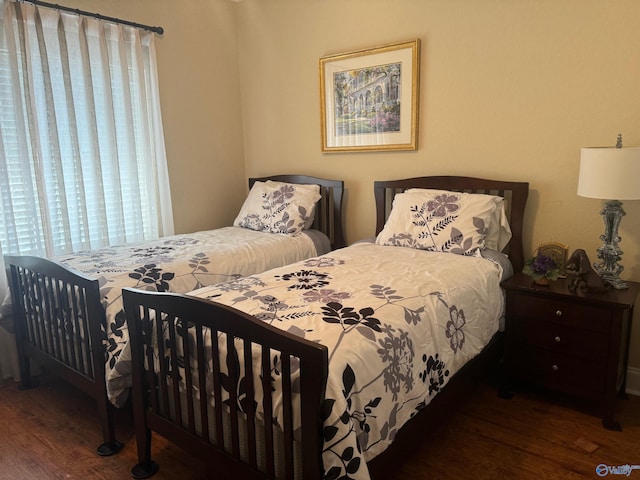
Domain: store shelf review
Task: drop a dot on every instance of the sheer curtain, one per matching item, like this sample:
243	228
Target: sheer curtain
82	157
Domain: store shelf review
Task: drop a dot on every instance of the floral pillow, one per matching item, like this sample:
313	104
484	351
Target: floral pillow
440	221
279	207
499	232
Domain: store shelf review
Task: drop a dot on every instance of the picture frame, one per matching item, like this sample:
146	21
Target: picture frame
558	252
369	98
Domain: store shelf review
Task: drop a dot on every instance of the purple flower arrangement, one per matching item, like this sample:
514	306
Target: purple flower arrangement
541	267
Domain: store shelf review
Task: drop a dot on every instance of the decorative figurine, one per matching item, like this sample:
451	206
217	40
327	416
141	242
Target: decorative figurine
586	277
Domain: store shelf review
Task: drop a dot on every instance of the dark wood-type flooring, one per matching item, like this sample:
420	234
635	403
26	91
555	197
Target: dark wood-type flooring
50	433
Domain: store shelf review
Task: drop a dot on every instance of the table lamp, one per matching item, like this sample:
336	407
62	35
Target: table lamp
611	174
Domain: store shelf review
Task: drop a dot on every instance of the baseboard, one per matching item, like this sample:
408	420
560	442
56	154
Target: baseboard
633	381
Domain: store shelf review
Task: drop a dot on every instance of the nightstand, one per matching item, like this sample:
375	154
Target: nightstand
573	342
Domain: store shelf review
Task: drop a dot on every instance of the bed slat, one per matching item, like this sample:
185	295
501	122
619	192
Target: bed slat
268	409
250	409
288	420
182	330
234	373
202	383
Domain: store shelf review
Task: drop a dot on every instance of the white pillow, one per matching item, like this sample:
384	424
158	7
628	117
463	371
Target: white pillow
278	207
441	221
499	232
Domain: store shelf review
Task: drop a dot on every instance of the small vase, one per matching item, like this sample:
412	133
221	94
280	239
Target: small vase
541	281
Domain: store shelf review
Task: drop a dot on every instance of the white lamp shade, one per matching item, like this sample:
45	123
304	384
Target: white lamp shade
610	173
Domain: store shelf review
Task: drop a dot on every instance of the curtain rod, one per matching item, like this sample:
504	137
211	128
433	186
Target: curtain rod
158	30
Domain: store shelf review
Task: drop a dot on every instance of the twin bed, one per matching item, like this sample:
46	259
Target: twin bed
68	313
327	366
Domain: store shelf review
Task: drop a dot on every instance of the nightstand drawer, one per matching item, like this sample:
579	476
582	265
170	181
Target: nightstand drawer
561	372
562	339
568	313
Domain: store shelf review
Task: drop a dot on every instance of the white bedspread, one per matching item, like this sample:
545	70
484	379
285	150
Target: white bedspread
179	263
398	324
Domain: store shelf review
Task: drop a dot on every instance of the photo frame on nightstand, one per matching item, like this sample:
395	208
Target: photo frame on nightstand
558	251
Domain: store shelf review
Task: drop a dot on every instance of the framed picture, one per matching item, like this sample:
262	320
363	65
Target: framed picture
558	252
369	99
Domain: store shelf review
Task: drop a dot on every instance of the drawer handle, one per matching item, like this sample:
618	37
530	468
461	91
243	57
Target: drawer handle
557	339
554	368
558	313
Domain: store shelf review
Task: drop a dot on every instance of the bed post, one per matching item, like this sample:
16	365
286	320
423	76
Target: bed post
18	314
145	467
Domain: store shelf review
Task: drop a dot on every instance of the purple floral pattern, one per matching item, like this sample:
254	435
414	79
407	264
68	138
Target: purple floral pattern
455	328
443	204
433	217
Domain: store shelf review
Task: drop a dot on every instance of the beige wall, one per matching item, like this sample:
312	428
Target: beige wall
510	89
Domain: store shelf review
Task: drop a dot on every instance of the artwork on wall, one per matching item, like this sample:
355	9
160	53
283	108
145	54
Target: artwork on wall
369	98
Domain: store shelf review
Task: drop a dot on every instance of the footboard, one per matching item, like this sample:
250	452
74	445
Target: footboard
224	385
58	319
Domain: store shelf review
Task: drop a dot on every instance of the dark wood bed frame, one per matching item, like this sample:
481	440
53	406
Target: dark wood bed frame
157	396
58	314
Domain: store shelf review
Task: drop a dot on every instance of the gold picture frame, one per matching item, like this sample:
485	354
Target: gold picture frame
558	252
369	98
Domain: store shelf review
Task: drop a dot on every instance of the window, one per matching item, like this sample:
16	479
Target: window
82	159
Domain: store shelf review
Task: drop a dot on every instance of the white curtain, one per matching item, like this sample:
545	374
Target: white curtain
82	157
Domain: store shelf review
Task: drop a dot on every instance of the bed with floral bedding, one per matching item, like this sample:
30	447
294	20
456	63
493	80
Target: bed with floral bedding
318	365
283	219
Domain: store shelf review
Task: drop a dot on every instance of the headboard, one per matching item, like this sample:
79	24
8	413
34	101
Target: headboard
328	215
514	193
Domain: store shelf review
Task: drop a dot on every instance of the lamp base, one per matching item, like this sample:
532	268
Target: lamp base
615	282
609	253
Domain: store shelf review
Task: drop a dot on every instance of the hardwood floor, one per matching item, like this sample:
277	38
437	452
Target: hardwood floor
532	436
50	433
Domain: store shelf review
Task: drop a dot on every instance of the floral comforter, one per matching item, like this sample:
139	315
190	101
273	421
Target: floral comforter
180	263
398	323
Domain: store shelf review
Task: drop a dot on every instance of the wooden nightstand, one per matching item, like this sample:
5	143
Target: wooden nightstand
569	341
